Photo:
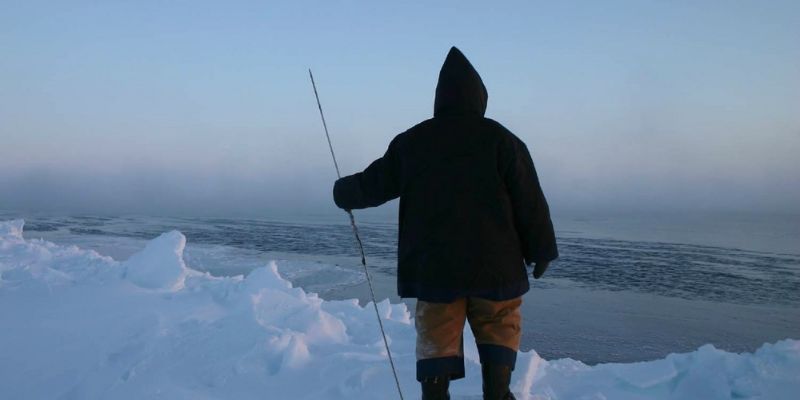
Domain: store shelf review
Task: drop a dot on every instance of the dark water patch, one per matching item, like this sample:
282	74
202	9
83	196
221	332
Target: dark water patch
88	231
44	226
678	270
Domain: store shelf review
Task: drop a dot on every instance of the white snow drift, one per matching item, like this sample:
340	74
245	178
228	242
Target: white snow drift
78	325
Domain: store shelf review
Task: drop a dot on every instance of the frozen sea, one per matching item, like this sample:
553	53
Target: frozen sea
626	288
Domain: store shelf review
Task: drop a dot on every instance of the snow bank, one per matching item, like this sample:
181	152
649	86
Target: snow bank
77	325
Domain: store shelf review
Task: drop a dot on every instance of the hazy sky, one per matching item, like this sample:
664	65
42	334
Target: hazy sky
205	107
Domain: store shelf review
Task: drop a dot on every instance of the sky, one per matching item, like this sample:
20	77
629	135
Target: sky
205	107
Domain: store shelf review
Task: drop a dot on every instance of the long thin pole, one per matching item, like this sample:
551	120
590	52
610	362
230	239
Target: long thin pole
358	240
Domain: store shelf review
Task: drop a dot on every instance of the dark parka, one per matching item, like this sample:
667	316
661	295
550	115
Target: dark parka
472	212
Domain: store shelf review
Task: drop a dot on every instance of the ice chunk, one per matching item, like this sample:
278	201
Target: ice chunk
160	264
645	374
11	229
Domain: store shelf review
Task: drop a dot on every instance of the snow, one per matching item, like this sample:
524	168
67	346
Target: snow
78	325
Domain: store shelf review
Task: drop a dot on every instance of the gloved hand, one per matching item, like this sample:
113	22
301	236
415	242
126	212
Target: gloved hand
539	269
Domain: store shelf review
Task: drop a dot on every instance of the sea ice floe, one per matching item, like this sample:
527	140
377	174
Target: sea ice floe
78	325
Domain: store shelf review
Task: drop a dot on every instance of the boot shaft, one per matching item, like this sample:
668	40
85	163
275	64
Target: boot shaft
496	381
435	388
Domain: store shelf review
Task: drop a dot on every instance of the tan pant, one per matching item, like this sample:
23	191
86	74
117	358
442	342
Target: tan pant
440	350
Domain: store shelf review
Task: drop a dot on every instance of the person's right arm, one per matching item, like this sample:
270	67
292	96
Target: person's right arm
377	184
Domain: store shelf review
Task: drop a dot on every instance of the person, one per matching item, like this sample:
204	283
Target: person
472	215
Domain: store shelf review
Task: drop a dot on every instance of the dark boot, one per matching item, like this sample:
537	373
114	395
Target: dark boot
496	379
436	388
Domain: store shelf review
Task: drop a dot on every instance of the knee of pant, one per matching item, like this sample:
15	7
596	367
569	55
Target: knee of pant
496	322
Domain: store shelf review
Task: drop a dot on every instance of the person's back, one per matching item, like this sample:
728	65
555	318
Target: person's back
472	214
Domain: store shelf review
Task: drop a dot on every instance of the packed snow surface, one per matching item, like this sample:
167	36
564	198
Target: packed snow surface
77	325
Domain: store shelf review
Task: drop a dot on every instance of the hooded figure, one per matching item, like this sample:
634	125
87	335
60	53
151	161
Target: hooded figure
472	215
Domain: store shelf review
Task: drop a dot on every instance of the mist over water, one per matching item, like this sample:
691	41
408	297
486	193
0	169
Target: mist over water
309	192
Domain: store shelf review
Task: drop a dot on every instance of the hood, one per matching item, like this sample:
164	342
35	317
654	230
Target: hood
460	90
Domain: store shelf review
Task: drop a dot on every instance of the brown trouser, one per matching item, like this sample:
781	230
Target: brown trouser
440	345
